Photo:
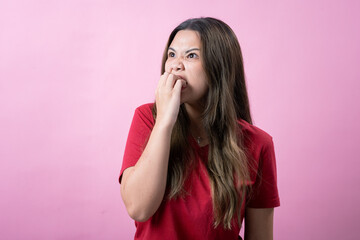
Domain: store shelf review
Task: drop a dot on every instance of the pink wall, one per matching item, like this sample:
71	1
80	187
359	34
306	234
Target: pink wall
72	73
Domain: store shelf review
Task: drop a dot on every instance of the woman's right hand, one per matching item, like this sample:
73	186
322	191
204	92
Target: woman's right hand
143	185
168	94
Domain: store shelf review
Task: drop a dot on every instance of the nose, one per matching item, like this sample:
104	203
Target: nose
178	65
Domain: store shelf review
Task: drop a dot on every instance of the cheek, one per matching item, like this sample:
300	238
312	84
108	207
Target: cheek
167	65
205	83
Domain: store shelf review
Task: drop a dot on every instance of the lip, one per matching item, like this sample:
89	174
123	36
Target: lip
183	87
182	78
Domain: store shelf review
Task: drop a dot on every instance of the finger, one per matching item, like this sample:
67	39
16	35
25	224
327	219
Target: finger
170	70
178	86
171	81
163	78
162	81
166	74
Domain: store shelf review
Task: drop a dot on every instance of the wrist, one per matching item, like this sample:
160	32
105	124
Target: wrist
163	126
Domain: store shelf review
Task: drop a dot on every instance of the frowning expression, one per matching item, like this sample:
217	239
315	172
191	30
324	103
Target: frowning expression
185	61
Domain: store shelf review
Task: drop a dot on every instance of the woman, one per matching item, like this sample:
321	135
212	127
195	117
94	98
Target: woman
194	165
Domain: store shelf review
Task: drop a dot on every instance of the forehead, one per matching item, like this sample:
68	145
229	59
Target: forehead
186	39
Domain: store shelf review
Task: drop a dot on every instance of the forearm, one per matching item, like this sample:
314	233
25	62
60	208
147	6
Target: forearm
143	186
259	223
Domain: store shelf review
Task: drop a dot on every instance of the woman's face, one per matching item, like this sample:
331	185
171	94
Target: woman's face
185	61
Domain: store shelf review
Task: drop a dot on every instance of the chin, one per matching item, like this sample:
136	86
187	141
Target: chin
183	99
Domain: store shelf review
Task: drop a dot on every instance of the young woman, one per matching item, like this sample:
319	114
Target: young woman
194	165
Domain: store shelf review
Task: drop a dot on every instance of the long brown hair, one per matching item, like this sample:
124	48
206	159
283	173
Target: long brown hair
226	102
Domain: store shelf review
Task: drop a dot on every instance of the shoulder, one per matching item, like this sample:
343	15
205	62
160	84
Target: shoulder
254	136
143	116
262	167
145	109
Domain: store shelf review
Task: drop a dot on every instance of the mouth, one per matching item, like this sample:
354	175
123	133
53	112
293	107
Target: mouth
184	86
182	78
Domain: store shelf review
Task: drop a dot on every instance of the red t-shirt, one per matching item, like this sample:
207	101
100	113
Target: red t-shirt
191	217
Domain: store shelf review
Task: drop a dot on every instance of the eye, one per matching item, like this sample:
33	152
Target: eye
192	55
171	54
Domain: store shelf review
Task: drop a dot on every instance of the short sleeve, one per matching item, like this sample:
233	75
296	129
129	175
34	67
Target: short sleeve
264	193
140	129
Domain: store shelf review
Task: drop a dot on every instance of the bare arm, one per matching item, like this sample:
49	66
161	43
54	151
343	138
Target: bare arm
259	223
143	186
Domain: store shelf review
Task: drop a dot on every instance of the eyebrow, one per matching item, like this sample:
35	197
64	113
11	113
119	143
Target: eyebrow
187	51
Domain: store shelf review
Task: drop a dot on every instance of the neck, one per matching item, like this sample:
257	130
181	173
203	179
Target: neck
196	126
194	113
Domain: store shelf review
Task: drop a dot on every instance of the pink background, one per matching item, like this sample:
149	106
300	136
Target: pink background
72	73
